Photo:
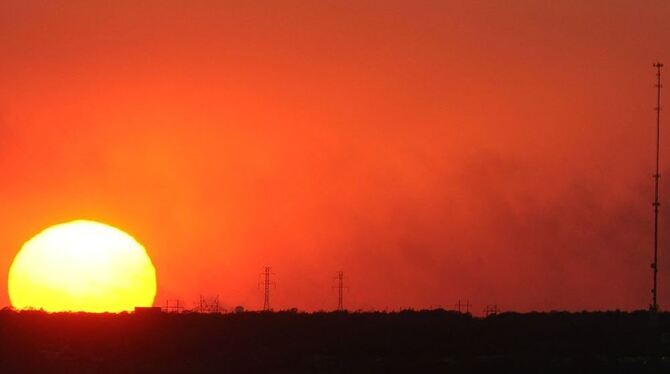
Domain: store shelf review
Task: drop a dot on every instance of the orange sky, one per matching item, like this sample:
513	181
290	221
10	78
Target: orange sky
433	150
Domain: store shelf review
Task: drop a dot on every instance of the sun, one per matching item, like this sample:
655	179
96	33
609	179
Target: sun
82	266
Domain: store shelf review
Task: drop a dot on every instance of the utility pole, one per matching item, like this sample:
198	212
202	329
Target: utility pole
656	204
175	307
459	305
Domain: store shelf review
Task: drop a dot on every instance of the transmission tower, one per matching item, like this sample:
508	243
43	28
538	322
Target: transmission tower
340	291
656	204
208	304
266	288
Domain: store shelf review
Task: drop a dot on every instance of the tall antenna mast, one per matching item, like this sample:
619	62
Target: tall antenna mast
340	291
657	176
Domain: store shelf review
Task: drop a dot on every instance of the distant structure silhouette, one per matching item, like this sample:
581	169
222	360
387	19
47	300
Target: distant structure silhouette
173	306
656	204
148	310
340	291
209	305
266	288
459	306
491	310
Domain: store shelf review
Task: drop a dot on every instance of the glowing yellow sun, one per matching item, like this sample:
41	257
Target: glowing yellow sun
82	266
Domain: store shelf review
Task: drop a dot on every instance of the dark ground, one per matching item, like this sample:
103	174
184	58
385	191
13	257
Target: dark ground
289	342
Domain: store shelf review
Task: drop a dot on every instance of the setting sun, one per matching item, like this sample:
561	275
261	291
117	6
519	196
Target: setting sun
82	266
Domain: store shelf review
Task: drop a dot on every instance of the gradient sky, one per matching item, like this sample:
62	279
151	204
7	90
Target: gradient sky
494	151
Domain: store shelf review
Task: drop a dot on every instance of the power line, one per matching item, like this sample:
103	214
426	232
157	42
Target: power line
656	204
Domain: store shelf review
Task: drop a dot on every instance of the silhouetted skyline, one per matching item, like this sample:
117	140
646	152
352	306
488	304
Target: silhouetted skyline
434	151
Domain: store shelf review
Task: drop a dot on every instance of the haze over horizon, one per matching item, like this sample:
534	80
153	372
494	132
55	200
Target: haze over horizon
433	150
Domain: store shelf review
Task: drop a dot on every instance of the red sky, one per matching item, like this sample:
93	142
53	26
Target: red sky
433	150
